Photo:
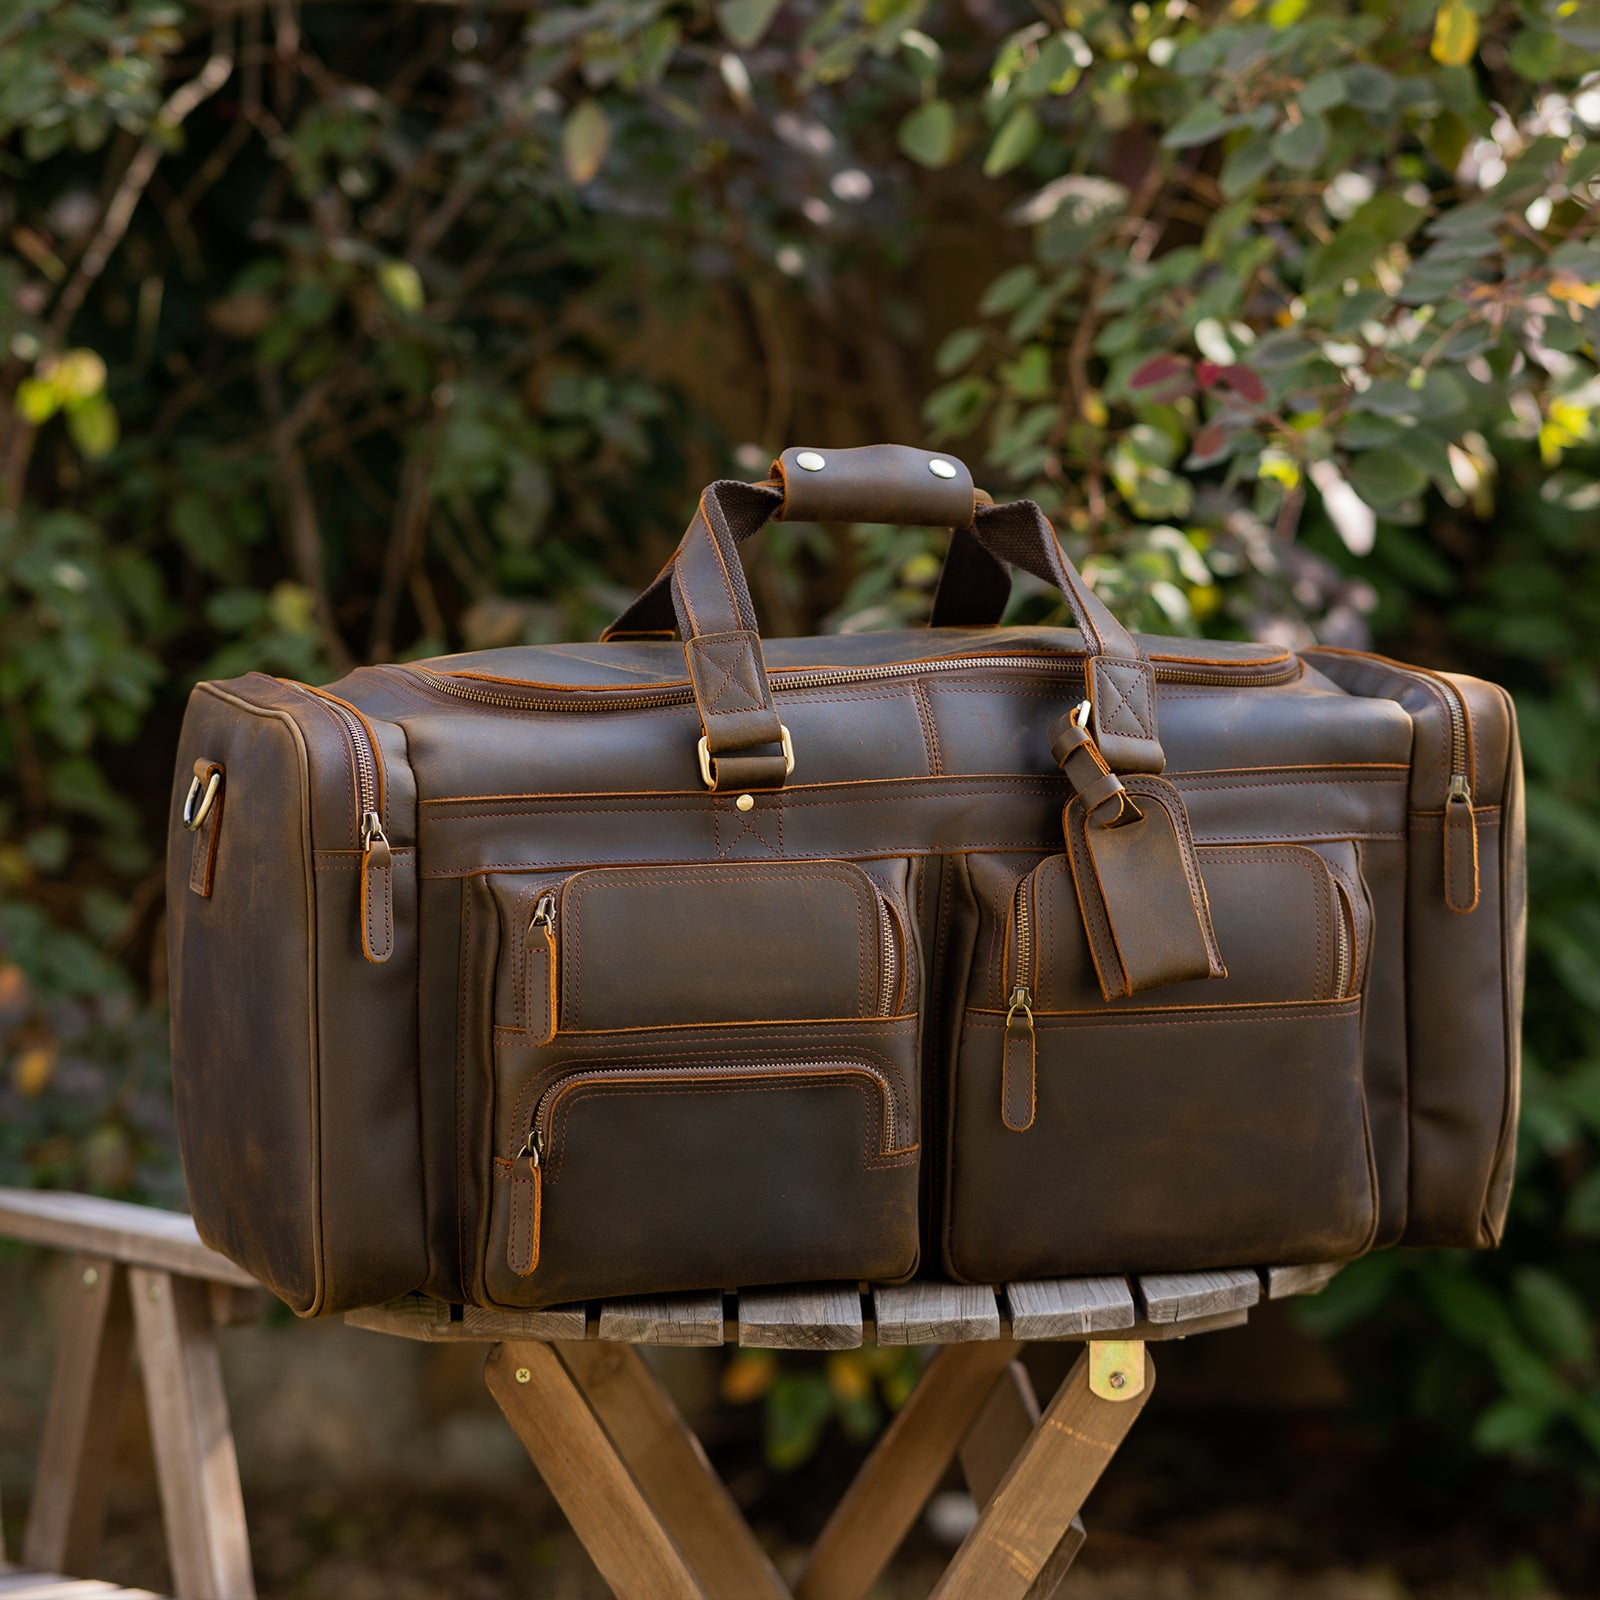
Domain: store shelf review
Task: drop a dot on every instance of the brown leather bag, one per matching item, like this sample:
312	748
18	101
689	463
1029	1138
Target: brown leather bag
539	974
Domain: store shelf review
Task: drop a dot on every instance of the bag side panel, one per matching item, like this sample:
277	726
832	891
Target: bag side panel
243	990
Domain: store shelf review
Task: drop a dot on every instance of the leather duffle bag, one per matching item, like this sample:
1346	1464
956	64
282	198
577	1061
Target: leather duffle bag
689	960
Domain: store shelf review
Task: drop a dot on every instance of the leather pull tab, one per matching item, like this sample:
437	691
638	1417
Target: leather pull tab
1460	853
377	904
539	983
1018	1073
527	1209
1144	903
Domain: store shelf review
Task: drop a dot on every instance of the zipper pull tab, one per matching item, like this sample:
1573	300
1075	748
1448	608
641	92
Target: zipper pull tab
539	980
1460	847
527	1208
377	890
1018	1082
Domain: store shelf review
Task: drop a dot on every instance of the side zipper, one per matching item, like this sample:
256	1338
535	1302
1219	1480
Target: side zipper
1018	1051
377	857
539	986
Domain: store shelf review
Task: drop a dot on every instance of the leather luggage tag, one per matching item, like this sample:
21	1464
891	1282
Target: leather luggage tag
1143	900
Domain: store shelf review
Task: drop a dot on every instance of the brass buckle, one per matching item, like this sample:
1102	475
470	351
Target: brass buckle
709	777
193	818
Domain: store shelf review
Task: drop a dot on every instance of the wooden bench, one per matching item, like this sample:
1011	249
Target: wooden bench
640	1494
630	1476
145	1282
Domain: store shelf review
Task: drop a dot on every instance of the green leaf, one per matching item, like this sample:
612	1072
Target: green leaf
1009	290
1028	377
745	22
402	285
37	400
1017	139
1554	1315
585	139
1246	164
1583	1207
1323	92
1471	1311
957	350
928	134
1536	55
93	426
1369	88
1510	1427
1300	145
1385	477
1348	254
1200	124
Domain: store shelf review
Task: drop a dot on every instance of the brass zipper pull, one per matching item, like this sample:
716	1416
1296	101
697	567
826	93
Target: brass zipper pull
1018	1082
539	980
377	890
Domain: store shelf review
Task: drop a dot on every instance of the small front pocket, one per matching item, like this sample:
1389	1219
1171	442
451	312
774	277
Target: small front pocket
660	1173
620	948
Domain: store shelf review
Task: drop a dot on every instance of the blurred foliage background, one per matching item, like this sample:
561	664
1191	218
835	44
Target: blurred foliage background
332	333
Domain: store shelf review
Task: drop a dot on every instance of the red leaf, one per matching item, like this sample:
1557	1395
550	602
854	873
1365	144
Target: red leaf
1244	383
1208	372
1159	370
1208	444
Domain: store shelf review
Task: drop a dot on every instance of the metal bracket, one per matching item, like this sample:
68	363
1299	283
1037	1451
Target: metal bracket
1116	1368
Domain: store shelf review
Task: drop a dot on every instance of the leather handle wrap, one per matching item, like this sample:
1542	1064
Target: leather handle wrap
876	483
703	589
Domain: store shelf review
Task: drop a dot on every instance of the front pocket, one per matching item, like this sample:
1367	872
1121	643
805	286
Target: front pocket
655	1174
621	948
1163	1139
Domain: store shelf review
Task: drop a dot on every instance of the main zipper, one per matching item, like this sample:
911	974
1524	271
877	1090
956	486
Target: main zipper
463	687
377	858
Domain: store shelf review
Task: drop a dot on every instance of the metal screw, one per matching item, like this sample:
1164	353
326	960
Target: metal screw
91	1277
154	1291
810	460
746	802
523	1375
941	468
1118	1380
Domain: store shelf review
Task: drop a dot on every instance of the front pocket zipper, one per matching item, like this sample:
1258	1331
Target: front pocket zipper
377	858
526	1169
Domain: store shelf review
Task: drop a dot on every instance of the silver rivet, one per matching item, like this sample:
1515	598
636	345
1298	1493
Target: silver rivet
810	460
941	468
746	802
90	1277
523	1375
1118	1380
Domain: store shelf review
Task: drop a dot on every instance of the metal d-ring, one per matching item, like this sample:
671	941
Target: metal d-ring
708	775
194	817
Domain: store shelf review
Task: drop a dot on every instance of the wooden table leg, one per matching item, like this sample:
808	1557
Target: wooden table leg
670	1466
68	1513
589	1478
196	1464
1012	1552
902	1472
1008	1419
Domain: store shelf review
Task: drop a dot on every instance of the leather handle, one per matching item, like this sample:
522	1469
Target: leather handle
875	483
710	602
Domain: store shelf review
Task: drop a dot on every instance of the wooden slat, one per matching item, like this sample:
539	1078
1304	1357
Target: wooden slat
140	1235
935	1313
196	1465
1011	1552
589	1479
677	1319
18	1585
1281	1282
904	1469
825	1316
423	1318
1066	1308
68	1512
1190	1296
670	1467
